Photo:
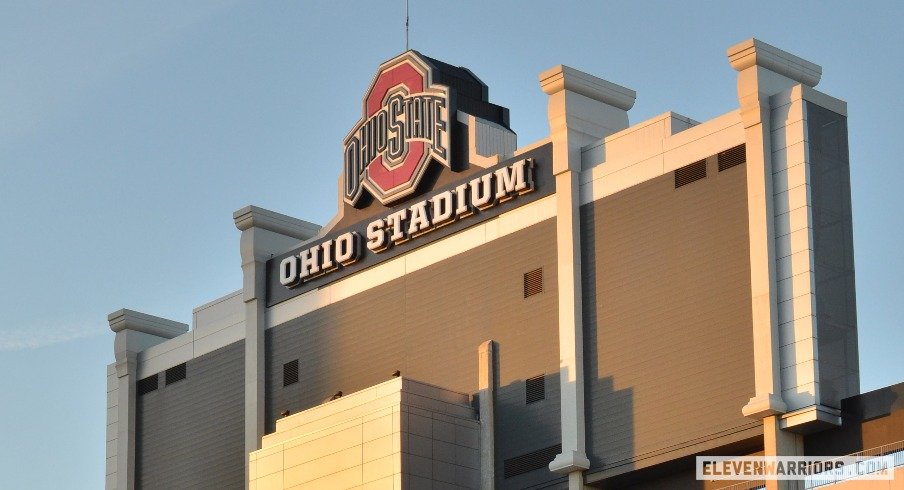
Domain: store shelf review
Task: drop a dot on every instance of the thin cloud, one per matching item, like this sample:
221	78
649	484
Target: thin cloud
17	340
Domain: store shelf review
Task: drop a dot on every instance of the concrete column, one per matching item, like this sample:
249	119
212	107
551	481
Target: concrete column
486	372
778	442
763	71
134	332
126	367
582	109
264	234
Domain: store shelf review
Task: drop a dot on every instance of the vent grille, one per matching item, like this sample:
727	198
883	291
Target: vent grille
175	373
290	373
535	389
533	282
732	157
526	463
146	385
690	173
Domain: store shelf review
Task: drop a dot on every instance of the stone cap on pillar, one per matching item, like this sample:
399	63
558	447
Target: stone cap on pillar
563	77
255	217
142	322
754	52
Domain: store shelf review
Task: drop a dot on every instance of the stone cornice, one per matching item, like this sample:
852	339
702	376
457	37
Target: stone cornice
754	52
563	77
255	217
133	320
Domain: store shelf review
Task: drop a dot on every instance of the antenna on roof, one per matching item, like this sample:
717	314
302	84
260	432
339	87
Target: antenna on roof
406	25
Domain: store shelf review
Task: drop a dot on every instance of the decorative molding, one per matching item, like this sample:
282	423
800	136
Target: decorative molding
255	217
142	322
754	52
561	77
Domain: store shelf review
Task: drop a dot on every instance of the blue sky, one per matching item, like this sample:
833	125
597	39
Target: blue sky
130	132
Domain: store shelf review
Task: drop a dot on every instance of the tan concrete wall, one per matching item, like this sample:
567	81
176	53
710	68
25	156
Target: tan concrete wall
668	322
398	434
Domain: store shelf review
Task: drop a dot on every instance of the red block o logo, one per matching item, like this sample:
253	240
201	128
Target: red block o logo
405	124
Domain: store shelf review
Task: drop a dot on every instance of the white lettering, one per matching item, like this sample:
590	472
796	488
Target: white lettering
511	180
482	192
395	222
419	223
288	272
442	209
463	209
327	264
347	248
310	262
376	236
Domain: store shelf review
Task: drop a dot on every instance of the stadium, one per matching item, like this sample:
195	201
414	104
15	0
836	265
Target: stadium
594	309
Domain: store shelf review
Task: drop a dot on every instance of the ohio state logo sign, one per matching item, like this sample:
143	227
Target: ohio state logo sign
405	124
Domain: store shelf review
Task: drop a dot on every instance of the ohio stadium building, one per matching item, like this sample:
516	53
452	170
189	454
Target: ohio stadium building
594	309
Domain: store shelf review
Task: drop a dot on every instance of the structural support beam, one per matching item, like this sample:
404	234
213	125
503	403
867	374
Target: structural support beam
264	234
582	109
134	332
763	71
778	442
486	372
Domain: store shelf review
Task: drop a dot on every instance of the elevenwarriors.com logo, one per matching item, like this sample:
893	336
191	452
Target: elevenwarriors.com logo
405	124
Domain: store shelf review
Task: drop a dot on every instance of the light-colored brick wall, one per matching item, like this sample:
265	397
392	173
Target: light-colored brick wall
398	434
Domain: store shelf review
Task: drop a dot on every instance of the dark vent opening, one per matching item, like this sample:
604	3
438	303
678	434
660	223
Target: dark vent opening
146	385
533	282
526	463
290	373
535	389
175	373
690	173
732	157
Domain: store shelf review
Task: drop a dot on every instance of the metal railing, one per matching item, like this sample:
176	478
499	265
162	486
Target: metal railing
746	485
894	449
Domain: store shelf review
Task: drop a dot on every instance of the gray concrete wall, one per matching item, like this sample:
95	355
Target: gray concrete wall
669	354
189	433
429	324
833	252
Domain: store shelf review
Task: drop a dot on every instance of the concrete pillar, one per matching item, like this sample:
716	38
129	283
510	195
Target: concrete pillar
487	381
264	234
763	71
582	109
778	442
135	332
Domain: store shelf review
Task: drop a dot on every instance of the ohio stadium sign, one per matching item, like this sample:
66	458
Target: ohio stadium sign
425	216
404	184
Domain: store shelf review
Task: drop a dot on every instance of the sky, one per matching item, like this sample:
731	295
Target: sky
131	131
